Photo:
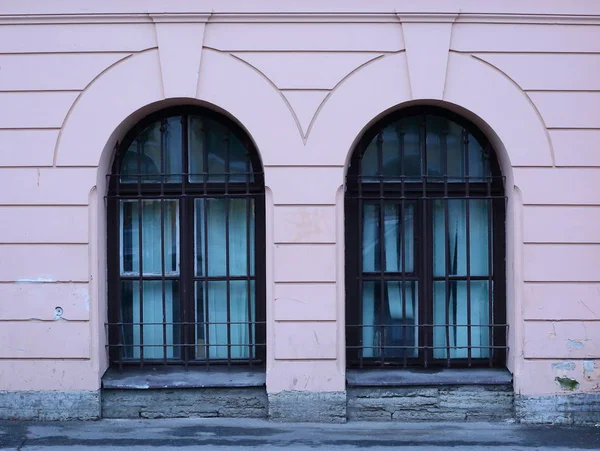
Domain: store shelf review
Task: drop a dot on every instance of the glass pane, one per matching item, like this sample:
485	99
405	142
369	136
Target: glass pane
390	324
452	300
393	240
370	162
394	225
479	229
211	217
214	338
390	149
400	151
408	131
478	160
449	145
370	239
159	224
215	150
144	156
449	245
157	310
453	242
456	151
437	132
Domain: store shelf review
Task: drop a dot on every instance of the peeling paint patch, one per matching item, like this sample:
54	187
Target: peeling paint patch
38	280
86	301
566	383
588	366
569	366
574	344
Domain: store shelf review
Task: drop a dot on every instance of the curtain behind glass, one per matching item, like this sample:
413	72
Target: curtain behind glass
450	299
389	313
214	220
149	304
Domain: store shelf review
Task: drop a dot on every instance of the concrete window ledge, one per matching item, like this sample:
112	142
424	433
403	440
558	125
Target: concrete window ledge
173	377
435	377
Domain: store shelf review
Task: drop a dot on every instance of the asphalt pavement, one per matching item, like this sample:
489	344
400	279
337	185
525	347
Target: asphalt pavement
223	434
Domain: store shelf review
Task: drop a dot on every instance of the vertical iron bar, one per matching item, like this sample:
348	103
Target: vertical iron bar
116	205
491	330
427	253
227	247
402	215
382	268
186	276
465	142
163	128
361	323
140	250
205	225
444	151
251	320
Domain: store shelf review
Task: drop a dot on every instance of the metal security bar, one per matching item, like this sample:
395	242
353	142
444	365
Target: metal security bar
425	258
186	244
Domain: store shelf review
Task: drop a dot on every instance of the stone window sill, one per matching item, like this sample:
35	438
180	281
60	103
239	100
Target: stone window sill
431	377
178	377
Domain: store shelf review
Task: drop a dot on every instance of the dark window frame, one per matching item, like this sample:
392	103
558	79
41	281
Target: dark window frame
422	192
185	192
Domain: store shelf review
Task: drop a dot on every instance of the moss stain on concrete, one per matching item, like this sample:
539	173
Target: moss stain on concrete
566	383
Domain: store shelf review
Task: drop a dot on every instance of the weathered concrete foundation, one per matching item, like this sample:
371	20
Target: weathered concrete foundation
313	407
50	405
426	403
248	402
579	408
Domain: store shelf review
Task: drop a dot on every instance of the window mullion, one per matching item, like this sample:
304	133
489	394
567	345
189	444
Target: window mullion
383	292
163	129
186	245
427	252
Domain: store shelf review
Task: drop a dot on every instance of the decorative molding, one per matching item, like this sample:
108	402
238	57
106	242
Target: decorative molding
427	17
59	19
180	18
303	17
180	52
427	46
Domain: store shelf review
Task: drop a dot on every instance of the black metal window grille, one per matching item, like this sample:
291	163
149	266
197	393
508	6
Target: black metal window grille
186	243
425	252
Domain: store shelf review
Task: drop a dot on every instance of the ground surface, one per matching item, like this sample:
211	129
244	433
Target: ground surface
223	434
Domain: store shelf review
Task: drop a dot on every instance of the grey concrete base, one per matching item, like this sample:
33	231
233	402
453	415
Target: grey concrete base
300	406
250	402
580	408
50	405
222	434
179	377
426	403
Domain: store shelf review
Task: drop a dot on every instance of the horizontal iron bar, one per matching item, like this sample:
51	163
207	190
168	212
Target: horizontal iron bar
426	347
417	326
188	345
182	323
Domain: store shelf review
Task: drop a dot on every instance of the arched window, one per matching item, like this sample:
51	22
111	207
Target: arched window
186	243
425	269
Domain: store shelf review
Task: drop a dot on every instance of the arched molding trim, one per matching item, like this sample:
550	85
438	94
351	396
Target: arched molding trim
473	89
119	98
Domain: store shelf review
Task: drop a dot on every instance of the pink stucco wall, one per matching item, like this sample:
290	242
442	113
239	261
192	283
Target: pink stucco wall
74	77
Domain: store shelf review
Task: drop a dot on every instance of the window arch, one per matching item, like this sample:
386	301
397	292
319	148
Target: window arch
425	253
186	243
